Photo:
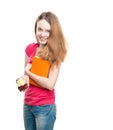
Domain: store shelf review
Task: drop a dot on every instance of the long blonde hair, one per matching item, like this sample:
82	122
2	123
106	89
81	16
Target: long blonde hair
56	48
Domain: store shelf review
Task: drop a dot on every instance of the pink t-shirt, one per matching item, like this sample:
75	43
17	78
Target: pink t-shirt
36	96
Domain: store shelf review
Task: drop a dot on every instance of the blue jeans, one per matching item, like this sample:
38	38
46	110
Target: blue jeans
39	117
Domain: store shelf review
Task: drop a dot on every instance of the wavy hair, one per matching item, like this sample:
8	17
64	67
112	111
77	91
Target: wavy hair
56	48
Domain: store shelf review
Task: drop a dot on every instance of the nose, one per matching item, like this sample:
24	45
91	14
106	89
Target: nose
43	33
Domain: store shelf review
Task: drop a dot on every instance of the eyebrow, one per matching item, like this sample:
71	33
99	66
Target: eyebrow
46	29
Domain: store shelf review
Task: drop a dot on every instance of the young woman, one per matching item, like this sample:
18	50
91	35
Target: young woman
39	101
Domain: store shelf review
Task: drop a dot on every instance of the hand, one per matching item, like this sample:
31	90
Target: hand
26	78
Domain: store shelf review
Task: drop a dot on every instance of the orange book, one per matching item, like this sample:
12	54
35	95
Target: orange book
40	67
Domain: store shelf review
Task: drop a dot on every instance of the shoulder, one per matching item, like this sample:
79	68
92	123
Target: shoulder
30	48
31	45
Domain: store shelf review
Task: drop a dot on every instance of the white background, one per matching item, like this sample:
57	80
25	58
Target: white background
84	91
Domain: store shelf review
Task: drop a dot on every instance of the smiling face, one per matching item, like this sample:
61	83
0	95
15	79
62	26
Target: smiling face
42	31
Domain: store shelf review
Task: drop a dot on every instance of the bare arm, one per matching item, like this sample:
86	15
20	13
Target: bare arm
25	77
23	81
44	82
26	60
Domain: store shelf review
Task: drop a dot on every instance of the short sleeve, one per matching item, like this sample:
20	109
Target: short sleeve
29	49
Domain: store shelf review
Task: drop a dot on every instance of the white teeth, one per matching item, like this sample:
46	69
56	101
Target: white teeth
42	39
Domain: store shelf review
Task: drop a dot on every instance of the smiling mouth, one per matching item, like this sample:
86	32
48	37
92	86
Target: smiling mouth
43	39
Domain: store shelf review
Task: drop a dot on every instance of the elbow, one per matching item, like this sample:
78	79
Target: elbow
50	86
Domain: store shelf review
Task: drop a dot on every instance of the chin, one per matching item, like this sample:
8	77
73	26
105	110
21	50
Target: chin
43	42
